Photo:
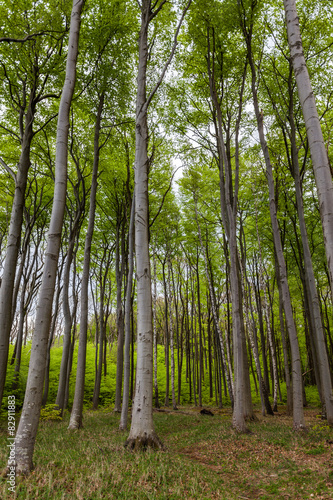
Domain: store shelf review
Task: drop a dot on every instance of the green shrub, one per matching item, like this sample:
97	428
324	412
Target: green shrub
50	412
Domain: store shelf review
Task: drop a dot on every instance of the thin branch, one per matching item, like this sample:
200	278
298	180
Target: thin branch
163	199
21	40
46	123
153	14
175	43
11	132
28	37
47	96
9	170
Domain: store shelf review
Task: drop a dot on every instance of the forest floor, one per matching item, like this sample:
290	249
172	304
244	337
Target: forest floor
203	459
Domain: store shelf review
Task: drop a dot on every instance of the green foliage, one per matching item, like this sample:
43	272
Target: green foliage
108	387
23	375
50	412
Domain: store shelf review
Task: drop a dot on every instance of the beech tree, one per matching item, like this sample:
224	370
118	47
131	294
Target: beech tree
27	428
318	151
298	414
26	70
76	414
142	432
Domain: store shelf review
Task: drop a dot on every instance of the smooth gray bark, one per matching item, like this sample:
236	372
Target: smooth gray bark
13	242
142	431
128	306
172	354
120	268
242	408
324	383
51	336
318	151
298	414
76	414
28	425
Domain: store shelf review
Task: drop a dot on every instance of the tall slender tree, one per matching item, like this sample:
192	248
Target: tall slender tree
25	72
247	24
142	431
318	151
28	425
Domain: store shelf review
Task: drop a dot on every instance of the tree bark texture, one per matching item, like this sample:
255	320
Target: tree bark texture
298	414
28	425
13	245
320	352
142	433
172	354
76	414
318	151
128	306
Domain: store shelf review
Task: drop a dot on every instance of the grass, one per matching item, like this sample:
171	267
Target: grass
204	458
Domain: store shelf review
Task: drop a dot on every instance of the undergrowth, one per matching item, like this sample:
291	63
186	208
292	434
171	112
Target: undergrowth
203	458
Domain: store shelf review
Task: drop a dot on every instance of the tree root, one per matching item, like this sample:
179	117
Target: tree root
300	428
144	442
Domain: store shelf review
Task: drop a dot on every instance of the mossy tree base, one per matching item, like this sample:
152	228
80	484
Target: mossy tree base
300	428
23	469
241	429
75	424
138	443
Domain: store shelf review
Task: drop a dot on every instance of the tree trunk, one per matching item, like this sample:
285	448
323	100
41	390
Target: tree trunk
201	370
213	304
28	425
51	337
314	133
178	341
172	355
120	318
13	245
68	320
262	286
265	404
193	345
317	327
124	409
142	433
166	339
101	340
76	414
298	414
157	404
19	339
242	408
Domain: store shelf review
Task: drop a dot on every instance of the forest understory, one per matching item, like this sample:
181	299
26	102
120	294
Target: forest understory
203	458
